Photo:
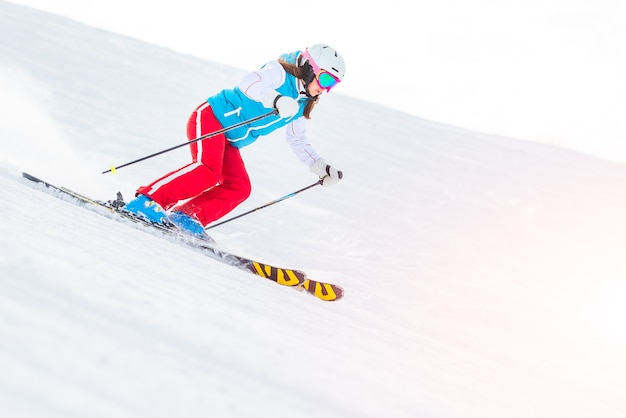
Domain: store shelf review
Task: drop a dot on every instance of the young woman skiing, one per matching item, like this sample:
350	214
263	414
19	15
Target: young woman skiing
216	181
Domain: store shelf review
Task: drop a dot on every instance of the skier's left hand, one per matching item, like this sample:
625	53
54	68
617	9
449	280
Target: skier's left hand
328	175
286	106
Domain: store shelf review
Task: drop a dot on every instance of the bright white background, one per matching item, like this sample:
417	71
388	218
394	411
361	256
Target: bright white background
544	70
484	276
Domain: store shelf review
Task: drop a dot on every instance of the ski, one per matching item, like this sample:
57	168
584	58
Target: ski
283	276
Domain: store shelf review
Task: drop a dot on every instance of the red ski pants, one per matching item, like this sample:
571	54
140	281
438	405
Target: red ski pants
213	184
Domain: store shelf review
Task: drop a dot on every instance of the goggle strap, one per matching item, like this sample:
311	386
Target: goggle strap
312	63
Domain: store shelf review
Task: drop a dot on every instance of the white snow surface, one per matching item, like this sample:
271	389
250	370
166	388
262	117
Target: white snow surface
484	276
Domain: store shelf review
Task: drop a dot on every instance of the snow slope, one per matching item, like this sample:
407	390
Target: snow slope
484	276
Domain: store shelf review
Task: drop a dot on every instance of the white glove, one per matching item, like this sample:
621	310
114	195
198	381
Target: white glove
327	174
286	106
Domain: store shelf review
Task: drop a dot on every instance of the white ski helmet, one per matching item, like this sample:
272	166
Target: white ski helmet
326	58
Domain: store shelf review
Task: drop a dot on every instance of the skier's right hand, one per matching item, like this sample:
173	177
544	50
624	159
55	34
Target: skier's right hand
328	175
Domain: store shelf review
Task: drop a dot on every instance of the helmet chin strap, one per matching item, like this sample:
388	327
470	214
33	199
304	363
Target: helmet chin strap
306	92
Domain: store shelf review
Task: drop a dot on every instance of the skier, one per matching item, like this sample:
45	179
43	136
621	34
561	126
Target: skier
216	181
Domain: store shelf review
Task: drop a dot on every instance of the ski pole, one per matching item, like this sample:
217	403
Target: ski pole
287	196
200	138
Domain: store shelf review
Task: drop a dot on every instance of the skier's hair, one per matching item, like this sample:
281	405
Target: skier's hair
304	73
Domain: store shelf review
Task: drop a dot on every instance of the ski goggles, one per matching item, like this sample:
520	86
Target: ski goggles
325	79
